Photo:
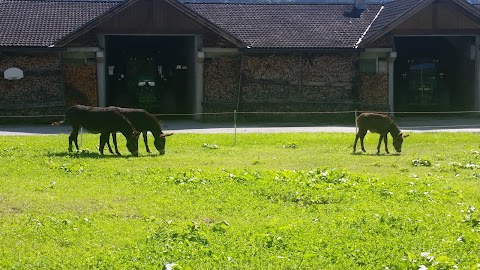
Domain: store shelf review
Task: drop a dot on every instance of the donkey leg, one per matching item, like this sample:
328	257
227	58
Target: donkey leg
103	140
385	140
360	135
73	138
108	144
361	143
144	133
380	139
355	143
114	137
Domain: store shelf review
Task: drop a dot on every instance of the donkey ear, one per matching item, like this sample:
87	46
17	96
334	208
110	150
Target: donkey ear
136	134
404	136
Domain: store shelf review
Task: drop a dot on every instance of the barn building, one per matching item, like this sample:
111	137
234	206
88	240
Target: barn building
179	57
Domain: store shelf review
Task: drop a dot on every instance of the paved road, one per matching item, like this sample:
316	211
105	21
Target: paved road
425	124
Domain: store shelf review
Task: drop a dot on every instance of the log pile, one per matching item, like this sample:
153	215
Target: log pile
221	79
373	89
281	82
322	78
42	82
81	84
31	62
31	90
272	67
32	115
328	92
265	92
329	68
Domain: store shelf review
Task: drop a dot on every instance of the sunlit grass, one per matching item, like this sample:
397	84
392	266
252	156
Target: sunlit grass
271	201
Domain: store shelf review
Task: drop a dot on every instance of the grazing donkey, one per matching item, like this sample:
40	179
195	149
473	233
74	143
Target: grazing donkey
143	121
100	120
378	123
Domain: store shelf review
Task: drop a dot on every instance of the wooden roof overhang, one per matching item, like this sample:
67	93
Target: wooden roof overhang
128	3
401	25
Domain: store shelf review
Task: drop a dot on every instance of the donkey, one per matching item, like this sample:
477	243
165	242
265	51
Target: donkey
143	121
382	124
100	120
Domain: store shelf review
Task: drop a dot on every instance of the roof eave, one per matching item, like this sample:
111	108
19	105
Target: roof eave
385	29
300	49
422	4
95	22
36	48
122	6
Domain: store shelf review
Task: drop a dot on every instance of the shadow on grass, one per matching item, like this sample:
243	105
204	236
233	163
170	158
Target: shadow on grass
86	154
89	154
375	154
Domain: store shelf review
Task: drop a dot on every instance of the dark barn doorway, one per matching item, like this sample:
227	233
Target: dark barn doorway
434	74
155	73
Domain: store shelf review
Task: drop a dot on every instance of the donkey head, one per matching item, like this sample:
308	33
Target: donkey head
398	141
160	142
132	143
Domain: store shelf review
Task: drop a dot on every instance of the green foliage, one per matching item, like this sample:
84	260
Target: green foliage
263	203
421	162
292	145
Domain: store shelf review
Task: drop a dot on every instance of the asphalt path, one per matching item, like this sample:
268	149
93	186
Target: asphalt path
424	124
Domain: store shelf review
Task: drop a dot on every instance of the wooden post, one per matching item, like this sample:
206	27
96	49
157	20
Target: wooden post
356	126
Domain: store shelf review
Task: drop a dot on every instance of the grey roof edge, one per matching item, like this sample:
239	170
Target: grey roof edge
410	12
125	4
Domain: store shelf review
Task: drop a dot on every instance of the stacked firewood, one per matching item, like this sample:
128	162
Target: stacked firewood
30	63
373	88
269	92
221	79
81	84
31	89
329	92
41	82
328	68
273	67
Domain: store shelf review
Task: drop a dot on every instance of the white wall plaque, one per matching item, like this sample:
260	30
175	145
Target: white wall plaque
13	73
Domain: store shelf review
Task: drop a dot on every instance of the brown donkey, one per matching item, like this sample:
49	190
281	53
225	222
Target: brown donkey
100	120
381	124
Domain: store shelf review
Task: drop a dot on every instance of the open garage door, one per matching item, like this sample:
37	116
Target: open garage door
155	73
434	73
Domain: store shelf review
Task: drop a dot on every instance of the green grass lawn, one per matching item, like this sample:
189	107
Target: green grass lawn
272	201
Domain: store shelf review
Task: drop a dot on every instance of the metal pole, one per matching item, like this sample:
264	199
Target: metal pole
235	127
